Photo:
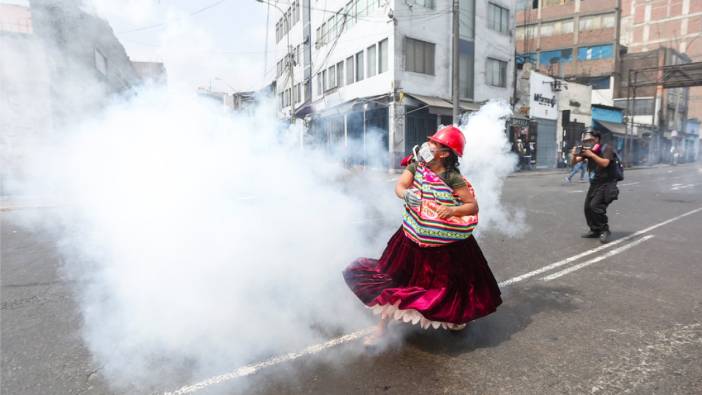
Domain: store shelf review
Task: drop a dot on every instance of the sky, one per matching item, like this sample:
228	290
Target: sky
221	46
217	44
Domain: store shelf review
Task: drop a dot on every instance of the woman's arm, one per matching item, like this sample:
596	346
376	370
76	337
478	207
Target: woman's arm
403	183
469	206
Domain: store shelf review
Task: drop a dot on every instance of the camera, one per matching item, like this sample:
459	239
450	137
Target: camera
581	147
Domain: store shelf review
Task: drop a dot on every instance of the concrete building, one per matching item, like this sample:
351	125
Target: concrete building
368	70
151	72
57	64
575	40
557	112
655	113
651	24
692	140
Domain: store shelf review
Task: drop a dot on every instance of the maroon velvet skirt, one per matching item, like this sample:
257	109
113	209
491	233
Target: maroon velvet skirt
431	286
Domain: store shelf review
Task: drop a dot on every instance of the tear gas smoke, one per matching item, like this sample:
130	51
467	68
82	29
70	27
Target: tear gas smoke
486	163
206	239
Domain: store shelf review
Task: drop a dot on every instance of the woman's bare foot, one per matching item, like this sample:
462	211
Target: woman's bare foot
374	338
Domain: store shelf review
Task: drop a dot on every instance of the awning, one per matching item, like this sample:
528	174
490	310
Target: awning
439	106
615	128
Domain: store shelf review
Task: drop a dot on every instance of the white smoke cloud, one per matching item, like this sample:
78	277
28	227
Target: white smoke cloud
204	240
486	163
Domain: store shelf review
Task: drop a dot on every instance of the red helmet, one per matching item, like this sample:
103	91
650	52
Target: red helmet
451	137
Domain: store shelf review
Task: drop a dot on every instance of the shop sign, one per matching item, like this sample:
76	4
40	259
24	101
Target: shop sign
542	98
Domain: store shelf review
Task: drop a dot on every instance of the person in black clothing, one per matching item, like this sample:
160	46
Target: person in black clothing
603	184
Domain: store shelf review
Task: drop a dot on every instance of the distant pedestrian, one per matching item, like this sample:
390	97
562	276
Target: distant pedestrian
578	167
603	183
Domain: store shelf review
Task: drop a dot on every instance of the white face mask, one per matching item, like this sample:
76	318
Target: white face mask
424	155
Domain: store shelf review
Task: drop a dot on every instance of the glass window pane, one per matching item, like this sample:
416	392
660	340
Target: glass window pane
372	61
359	66
383	61
349	70
340	74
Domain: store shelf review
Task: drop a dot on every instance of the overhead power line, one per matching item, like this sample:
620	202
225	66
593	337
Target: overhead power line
164	24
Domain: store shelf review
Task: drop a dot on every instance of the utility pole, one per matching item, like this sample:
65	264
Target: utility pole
454	63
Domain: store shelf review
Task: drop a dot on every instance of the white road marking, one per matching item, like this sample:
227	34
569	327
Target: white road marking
576	191
630	183
595	260
314	349
253	368
594	250
677	187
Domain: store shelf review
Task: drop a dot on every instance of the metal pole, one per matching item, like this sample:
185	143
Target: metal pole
629	125
454	64
631	138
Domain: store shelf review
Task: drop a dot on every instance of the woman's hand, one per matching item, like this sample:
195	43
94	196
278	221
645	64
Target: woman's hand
445	212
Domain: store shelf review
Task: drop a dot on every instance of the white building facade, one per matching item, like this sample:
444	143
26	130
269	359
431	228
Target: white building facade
381	70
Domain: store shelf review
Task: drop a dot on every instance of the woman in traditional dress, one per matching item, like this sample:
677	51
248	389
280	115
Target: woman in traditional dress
432	271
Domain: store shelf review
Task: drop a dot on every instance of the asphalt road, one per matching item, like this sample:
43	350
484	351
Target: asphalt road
626	318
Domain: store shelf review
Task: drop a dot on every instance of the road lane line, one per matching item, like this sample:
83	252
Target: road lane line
595	260
314	349
630	183
594	250
253	368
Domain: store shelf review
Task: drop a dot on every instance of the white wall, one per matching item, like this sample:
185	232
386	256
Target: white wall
427	25
492	44
367	31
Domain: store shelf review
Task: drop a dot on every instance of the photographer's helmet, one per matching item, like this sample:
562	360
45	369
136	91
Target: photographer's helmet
451	137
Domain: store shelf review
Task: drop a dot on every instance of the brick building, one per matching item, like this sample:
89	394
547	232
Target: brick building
572	39
651	24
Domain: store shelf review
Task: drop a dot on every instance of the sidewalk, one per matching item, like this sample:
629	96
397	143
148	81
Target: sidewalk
561	171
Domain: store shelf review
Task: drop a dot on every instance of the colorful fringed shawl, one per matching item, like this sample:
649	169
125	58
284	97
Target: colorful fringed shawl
423	225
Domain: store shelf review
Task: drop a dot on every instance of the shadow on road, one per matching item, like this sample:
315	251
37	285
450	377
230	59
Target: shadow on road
521	304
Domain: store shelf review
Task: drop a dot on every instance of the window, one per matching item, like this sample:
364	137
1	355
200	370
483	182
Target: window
526	58
325	81
596	52
419	56
340	73
349	70
319	84
362	7
424	3
359	66
557	56
555	28
549	3
372	62
349	10
296	11
525	32
496	73
286	98
465	81
331	74
498	18
595	22
383	56
466	20
324	34
100	62
296	93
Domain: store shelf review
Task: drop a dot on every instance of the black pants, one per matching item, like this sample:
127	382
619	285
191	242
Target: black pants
599	196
